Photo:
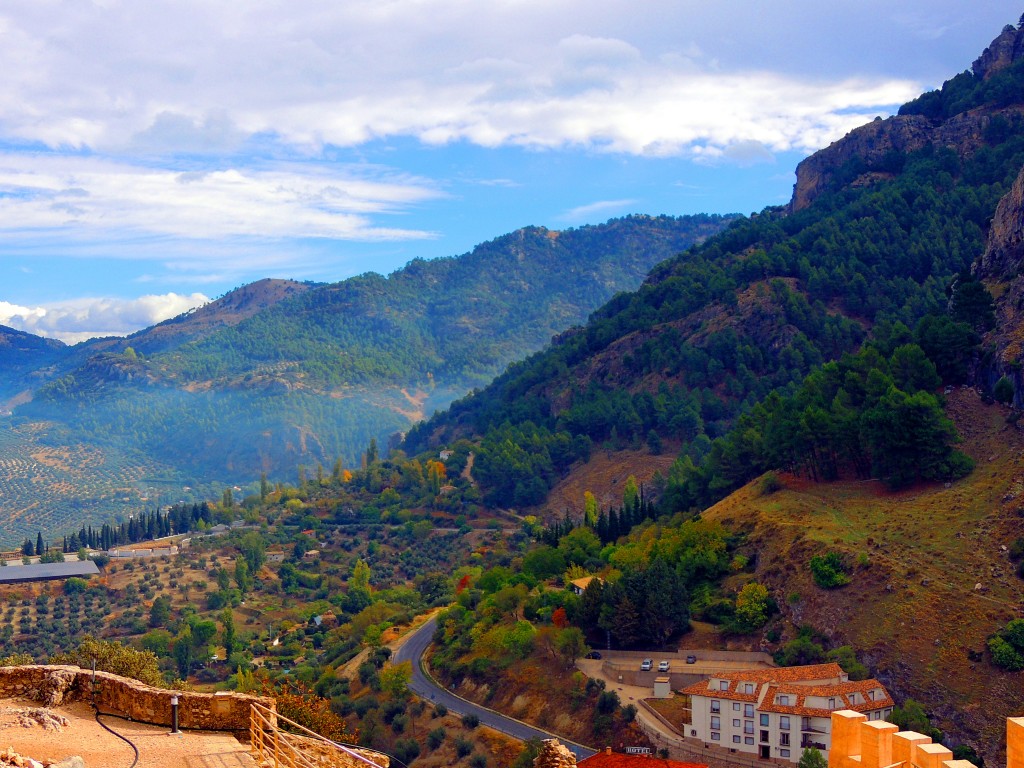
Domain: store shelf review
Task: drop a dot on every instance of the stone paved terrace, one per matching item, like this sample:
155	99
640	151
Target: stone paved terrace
100	749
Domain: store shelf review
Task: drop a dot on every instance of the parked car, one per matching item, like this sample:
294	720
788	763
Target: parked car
646	665
691	659
593	655
663	666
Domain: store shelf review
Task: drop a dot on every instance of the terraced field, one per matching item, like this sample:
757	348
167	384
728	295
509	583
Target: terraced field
55	489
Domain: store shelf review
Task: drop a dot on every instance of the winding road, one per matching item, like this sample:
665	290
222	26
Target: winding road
412	650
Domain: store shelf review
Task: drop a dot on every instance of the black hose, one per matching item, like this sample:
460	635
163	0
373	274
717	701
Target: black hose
125	739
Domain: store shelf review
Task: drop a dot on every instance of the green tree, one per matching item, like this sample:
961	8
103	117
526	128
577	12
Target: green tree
227	620
254	549
394	680
812	758
571	645
1003	390
160	612
242	576
752	607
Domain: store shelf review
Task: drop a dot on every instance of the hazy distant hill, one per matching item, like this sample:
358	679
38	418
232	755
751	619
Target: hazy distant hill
22	355
280	373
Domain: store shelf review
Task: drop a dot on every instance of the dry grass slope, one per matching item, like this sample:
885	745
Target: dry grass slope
932	580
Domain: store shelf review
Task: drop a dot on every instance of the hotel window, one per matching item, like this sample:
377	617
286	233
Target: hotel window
783	739
716	705
748	739
764	720
715	736
784	701
805	723
871	694
764	737
748	687
748	710
748	726
783	723
735	706
735	723
716	723
723	685
831	703
735	739
783	753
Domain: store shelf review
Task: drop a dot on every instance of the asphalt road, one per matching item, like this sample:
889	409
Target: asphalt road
412	650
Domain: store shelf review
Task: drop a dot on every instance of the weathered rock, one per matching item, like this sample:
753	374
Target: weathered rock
1001	53
554	755
56	686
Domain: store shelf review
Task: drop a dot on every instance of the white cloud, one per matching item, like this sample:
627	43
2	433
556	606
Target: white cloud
80	319
208	77
601	207
90	196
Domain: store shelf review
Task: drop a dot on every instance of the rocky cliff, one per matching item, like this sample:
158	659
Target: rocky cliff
1002	52
1000	267
875	143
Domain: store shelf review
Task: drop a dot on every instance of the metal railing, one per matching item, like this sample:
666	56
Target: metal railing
272	746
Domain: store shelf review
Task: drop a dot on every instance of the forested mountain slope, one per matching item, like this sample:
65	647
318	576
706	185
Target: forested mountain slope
282	373
872	253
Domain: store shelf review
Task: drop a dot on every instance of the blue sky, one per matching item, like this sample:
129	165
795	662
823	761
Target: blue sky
155	155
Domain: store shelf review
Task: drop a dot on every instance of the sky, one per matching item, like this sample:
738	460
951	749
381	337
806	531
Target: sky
155	155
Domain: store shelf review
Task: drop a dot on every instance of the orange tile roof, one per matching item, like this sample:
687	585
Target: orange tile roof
770	682
620	760
840	692
830	671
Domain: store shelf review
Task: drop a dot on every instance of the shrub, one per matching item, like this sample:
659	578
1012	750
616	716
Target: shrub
607	702
406	750
440	710
470	721
829	571
436	738
478	761
463	746
770	484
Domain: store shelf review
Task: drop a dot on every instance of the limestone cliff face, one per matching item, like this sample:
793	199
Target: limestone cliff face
963	133
1001	267
871	143
1004	253
1003	51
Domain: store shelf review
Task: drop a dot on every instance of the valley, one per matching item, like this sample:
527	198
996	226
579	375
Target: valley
795	433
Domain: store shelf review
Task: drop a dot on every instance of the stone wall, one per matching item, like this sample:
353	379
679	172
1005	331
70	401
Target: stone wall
55	685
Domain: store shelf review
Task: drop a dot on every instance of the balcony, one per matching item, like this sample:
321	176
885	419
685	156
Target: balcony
805	743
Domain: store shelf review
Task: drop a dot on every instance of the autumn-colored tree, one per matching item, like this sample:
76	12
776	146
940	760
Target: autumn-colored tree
589	508
299	702
463	583
559	619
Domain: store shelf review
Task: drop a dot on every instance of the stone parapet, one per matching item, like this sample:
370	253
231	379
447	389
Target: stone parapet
861	743
53	685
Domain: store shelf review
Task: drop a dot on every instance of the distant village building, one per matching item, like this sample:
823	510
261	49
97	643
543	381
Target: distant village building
777	713
445	455
579	586
275	555
312	554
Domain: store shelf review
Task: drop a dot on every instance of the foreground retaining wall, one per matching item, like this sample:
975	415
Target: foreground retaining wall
54	685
